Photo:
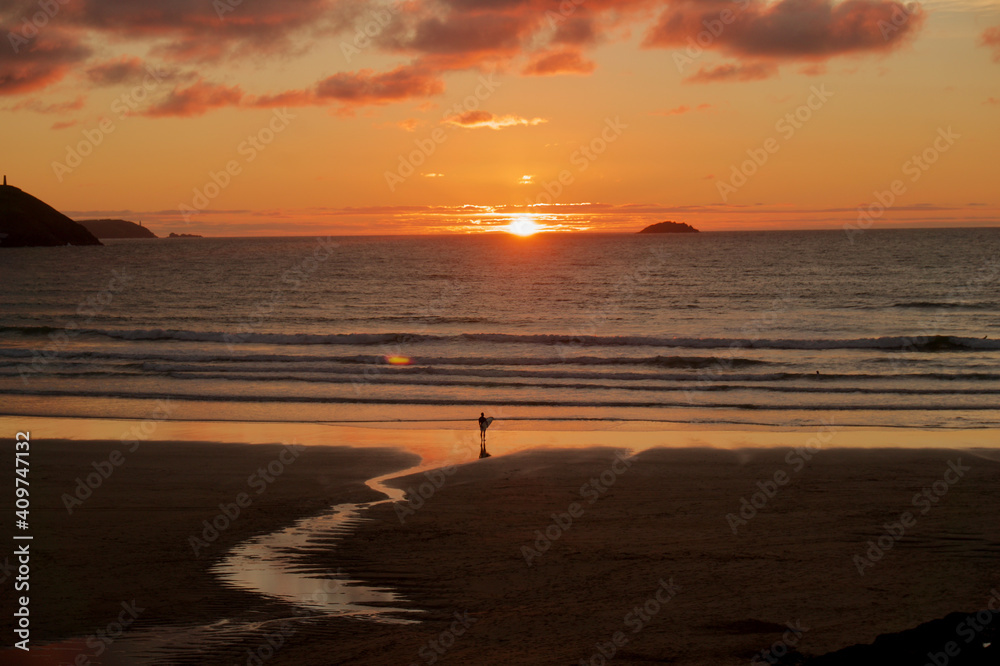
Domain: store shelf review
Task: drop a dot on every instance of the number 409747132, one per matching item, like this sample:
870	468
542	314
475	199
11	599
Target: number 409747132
23	448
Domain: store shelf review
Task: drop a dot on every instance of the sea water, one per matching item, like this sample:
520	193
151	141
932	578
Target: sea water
884	328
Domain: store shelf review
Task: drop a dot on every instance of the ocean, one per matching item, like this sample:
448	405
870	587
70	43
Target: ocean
888	328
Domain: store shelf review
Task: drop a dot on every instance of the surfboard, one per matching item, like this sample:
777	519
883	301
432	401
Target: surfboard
489	420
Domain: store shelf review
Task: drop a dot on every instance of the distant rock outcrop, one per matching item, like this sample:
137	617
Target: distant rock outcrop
173	235
669	228
116	229
26	221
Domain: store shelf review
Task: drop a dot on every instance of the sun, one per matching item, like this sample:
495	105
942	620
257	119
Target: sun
523	225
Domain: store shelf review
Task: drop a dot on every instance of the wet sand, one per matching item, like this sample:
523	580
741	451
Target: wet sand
131	539
664	519
655	537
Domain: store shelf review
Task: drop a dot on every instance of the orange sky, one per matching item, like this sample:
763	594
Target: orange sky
275	117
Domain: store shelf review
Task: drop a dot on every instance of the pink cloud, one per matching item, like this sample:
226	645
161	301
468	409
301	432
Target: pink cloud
353	89
32	64
559	62
437	36
991	40
478	119
733	72
38	106
196	99
680	110
370	87
200	31
813	69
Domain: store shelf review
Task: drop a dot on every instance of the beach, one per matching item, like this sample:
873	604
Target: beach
130	540
500	332
551	555
695	458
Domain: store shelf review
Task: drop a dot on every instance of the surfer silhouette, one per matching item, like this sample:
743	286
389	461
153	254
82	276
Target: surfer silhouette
484	423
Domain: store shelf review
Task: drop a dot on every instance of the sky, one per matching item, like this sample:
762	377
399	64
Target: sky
316	117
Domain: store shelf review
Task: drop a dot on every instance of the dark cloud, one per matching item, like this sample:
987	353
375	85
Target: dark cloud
115	72
788	29
32	64
204	30
463	39
537	37
575	30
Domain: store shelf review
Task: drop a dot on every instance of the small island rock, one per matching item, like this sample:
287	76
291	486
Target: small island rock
669	228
